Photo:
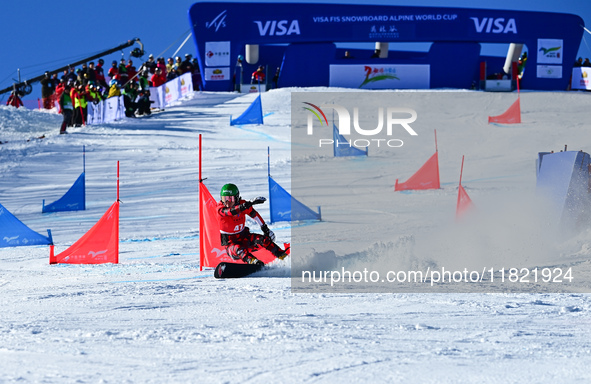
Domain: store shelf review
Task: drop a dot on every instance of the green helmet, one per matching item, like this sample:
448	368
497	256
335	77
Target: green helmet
230	190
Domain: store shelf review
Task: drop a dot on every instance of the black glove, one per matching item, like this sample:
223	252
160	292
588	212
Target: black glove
268	232
244	206
247	204
258	200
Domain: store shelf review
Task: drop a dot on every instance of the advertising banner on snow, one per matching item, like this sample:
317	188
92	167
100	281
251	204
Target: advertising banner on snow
581	78
114	109
171	91
376	76
106	111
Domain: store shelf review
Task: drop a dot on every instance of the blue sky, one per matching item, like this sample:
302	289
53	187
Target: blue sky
40	35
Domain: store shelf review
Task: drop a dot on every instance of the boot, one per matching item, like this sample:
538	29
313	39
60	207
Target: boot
281	254
250	259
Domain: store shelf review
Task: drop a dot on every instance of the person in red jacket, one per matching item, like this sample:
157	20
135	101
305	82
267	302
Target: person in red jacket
113	71
14	100
100	74
59	89
131	71
258	76
235	235
158	78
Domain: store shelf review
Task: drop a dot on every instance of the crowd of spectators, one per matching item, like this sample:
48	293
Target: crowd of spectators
76	88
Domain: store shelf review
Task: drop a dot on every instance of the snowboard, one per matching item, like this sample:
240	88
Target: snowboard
233	270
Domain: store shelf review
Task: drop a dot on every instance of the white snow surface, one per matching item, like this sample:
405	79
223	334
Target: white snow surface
156	318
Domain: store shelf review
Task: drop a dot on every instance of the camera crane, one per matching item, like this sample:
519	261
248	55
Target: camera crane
25	88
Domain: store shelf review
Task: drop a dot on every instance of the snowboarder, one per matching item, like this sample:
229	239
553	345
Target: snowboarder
235	236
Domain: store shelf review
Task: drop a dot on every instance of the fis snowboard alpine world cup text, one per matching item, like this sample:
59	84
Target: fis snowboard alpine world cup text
402	117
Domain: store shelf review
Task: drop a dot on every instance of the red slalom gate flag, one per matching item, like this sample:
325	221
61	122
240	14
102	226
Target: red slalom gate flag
212	252
511	116
464	202
99	245
427	177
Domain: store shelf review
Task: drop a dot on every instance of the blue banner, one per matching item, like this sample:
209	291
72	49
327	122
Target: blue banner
303	34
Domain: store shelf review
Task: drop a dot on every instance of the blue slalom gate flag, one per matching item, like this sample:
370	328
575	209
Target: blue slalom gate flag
342	147
252	115
14	233
283	207
73	200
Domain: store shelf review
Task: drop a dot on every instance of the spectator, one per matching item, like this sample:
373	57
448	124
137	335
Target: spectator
158	78
92	94
64	77
170	65
80	76
72	75
91	72
579	62
131	71
376	54
84	71
178	61
122	72
144	83
276	78
162	65
47	88
59	90
100	74
83	103
186	66
114	91
586	63
66	108
54	83
172	74
77	107
113	72
237	78
348	55
258	76
130	93
143	103
151	64
14	100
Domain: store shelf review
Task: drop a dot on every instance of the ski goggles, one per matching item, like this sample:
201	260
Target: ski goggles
230	199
